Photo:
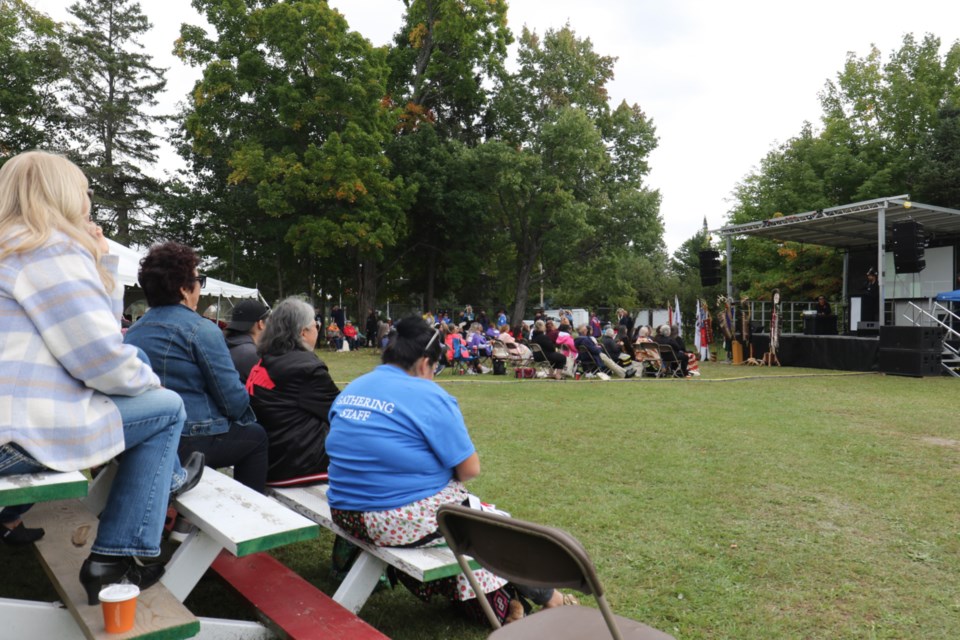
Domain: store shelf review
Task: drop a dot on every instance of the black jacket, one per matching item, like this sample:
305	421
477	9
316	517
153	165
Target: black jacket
291	395
243	351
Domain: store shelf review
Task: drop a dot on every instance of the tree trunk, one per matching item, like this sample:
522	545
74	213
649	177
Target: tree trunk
368	288
279	269
431	277
523	286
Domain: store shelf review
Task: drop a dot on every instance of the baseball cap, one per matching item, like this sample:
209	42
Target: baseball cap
246	314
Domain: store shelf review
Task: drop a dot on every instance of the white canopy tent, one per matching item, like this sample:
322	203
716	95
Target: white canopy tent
130	266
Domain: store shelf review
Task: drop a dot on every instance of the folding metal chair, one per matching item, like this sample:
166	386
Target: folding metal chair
585	360
671	362
538	556
540	362
499	354
648	355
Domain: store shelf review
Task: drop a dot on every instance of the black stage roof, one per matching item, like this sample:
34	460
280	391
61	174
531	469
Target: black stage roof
852	226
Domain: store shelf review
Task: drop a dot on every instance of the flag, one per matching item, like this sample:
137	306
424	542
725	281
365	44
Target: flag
669	315
704	312
679	323
697	338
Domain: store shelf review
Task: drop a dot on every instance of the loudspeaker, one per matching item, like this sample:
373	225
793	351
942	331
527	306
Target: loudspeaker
909	244
907	362
709	268
914	338
868	328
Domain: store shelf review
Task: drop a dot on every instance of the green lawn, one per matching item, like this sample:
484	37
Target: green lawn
748	503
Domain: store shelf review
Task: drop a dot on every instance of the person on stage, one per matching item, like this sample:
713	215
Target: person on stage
823	307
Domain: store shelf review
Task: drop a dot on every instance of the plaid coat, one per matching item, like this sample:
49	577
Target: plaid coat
62	355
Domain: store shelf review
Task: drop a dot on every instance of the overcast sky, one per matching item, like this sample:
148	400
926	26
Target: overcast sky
724	82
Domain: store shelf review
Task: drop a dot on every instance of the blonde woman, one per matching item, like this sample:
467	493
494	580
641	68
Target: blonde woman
72	395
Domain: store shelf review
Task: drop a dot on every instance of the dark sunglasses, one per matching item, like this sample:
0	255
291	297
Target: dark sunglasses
201	279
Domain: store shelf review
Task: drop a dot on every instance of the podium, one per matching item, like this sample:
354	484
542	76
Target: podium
814	325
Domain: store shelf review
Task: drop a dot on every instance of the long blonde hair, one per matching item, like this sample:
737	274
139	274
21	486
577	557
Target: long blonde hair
41	193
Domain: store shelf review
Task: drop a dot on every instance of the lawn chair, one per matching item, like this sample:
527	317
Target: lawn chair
538	556
483	354
460	358
671	362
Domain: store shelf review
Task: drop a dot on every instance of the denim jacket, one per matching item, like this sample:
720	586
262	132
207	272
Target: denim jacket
190	355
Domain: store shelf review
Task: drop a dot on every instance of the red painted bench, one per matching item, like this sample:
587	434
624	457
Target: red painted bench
289	602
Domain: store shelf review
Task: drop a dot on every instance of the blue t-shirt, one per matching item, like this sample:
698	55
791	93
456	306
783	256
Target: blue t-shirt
394	439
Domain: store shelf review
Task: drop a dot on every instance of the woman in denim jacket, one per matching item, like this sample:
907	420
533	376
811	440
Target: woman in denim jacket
189	354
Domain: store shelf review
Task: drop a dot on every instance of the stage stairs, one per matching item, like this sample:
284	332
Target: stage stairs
946	319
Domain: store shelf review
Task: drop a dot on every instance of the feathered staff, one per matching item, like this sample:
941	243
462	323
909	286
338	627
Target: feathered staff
725	317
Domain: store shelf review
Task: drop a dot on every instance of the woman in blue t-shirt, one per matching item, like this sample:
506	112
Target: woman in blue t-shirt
399	449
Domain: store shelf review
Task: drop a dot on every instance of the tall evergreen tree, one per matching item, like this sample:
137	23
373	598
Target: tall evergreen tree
112	88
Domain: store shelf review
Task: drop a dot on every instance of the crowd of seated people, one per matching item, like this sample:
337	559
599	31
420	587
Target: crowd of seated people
621	349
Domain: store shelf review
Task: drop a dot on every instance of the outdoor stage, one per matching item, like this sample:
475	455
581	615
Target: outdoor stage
846	353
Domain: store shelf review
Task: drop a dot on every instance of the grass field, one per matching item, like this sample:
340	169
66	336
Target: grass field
750	503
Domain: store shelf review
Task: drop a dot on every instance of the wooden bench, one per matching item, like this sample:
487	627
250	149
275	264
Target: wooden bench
71	528
229	516
234	525
426	564
288	602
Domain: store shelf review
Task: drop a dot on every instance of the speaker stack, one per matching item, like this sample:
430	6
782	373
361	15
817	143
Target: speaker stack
909	244
709	268
911	351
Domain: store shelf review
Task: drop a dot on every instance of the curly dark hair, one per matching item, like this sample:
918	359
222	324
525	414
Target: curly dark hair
165	269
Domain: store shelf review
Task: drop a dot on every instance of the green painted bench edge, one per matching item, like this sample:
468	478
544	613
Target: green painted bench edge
48	493
186	630
446	572
266	543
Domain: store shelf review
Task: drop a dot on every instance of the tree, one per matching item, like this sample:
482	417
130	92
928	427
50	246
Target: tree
112	87
291	103
938	179
32	66
565	175
880	121
444	63
441	58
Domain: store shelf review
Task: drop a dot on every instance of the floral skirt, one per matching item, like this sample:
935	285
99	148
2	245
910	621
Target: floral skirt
415	525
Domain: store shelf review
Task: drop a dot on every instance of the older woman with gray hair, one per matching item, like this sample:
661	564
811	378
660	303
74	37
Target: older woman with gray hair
291	392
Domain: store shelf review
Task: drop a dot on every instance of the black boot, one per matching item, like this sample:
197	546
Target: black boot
20	535
96	574
194	468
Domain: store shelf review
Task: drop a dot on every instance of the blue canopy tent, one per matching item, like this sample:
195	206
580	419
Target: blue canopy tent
949	296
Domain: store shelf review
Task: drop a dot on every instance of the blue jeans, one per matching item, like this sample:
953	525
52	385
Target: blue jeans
132	521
